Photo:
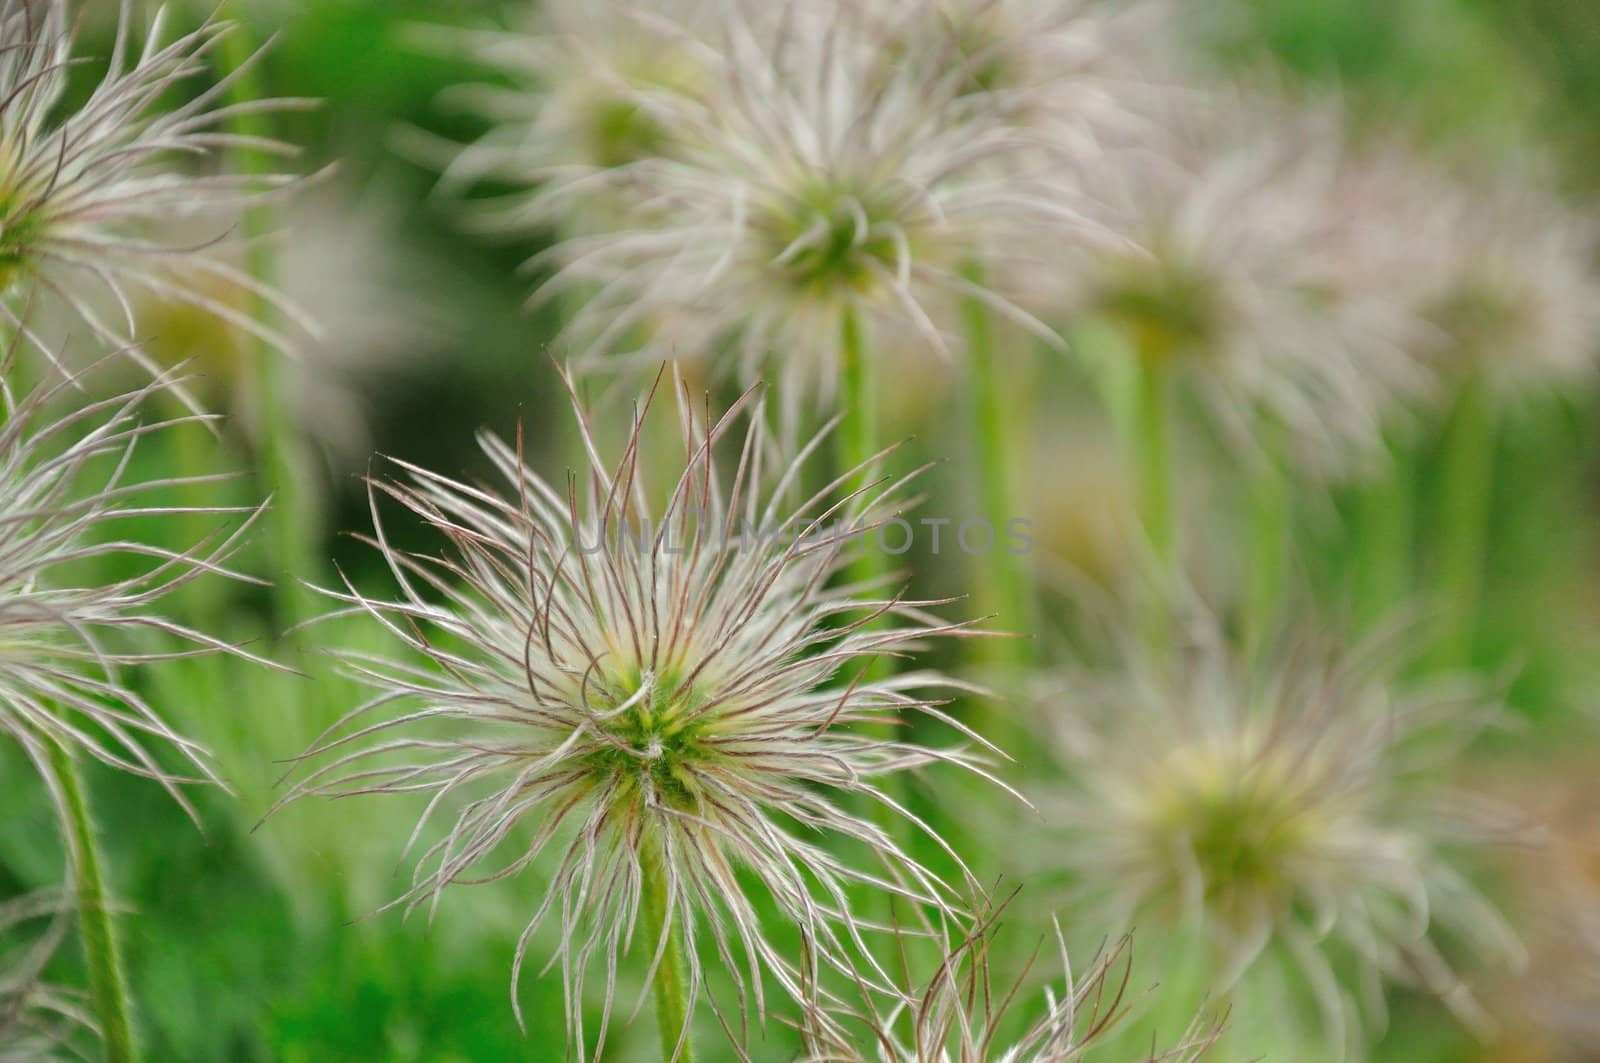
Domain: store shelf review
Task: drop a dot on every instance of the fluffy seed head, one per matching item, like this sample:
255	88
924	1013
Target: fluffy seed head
81	189
1267	271
1293	806
593	87
628	692
1516	289
1552	1007
67	500
1077	72
815	186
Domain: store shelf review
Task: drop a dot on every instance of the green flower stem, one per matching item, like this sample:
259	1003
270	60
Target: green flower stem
1466	490
672	975
1267	564
858	442
1385	517
858	435
108	989
1004	588
1151	427
293	520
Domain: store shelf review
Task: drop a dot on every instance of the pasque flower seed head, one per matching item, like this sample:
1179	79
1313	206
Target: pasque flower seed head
659	705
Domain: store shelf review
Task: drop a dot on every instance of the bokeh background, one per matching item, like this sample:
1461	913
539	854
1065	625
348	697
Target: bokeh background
254	942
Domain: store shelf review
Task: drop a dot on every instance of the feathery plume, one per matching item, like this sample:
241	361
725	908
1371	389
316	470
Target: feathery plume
594	87
1082	74
670	700
66	499
82	188
1263	273
1296	805
1515	290
1552	1009
810	184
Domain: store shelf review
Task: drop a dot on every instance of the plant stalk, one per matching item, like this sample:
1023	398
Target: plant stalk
1152	458
1385	518
1004	589
672	976
1466	493
857	443
108	988
858	434
1267	563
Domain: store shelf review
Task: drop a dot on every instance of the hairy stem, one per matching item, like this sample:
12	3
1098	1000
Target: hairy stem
1004	589
108	989
1466	491
294	522
672	976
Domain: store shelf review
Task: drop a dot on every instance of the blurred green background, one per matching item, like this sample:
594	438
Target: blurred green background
248	943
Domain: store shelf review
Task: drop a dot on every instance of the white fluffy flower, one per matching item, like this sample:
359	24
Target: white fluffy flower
1077	72
1266	271
1295	806
65	646
594	86
82	188
814	187
658	706
1515	281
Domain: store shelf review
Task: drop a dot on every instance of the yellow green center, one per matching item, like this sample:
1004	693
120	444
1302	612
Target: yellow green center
832	239
1480	317
20	222
654	740
1244	820
618	131
1169	309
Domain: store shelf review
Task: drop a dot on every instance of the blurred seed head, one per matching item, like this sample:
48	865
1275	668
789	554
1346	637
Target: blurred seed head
71	633
808	182
1515	292
83	188
606	686
1080	73
1082	512
1265	268
593	88
1298	807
